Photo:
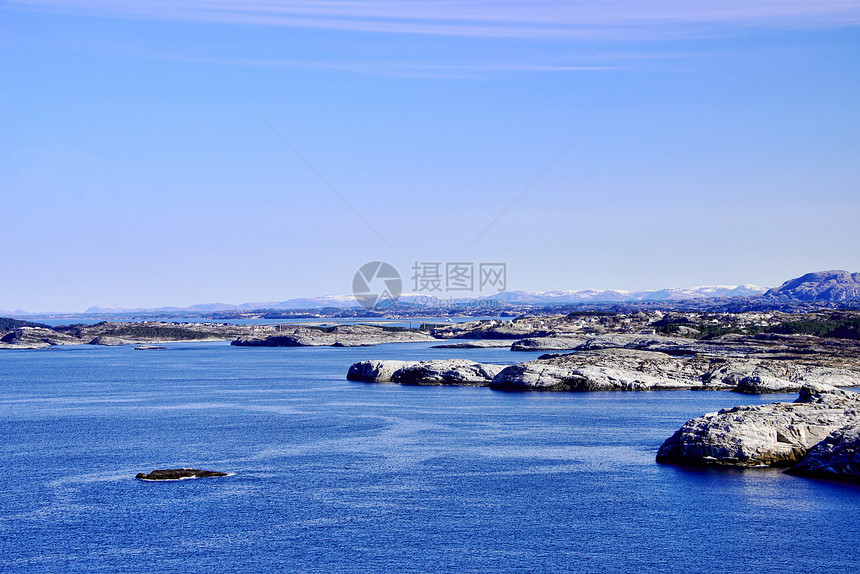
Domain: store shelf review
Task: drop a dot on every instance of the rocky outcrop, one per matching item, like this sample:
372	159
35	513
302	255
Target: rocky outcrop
727	346
178	474
763	375
836	457
477	344
634	341
617	369
516	329
36	338
778	434
122	333
548	344
374	371
442	372
636	370
340	336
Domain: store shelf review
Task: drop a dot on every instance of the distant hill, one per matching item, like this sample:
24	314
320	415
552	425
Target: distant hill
339	301
824	286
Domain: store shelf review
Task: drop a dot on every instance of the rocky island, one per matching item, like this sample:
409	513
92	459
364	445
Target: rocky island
179	474
337	336
449	372
25	335
817	435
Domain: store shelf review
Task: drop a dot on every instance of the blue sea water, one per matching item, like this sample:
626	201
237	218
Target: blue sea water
335	476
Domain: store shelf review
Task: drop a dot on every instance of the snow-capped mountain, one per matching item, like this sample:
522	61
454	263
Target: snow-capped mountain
512	297
613	296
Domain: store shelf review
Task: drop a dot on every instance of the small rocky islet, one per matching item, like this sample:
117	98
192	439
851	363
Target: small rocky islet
178	474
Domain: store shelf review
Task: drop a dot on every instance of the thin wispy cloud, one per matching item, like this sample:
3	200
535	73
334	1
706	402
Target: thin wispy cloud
418	68
477	18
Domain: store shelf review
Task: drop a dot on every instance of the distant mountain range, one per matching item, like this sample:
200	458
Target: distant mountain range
834	287
511	297
615	296
337	301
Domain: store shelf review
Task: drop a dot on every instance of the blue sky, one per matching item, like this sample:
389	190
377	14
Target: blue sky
134	169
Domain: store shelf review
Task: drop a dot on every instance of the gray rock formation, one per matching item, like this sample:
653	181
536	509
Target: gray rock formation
778	434
725	346
759	375
374	371
441	372
36	338
477	344
548	344
634	341
635	370
518	328
121	333
340	336
607	370
629	361
836	457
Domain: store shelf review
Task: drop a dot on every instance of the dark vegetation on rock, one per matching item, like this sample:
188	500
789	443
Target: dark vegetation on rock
833	324
7	324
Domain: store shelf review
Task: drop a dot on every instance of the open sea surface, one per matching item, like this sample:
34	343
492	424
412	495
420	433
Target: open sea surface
335	476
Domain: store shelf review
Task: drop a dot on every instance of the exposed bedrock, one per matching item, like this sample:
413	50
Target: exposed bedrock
836	457
631	370
778	434
440	372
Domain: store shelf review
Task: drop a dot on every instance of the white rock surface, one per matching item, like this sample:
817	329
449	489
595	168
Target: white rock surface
778	434
440	372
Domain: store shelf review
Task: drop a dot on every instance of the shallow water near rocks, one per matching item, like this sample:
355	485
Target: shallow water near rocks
336	476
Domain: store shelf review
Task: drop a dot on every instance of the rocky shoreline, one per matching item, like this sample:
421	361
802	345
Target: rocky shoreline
626	353
744	352
156	332
624	370
111	334
447	372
